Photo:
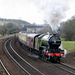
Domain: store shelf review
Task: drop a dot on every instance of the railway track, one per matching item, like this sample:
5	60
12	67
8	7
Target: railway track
62	66
6	71
28	68
22	63
66	68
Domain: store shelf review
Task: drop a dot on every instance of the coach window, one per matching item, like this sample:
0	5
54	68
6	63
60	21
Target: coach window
31	40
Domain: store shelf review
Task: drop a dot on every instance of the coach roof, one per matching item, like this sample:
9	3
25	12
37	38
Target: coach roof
31	35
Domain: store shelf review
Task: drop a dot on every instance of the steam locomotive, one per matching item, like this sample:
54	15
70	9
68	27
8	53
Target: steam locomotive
46	45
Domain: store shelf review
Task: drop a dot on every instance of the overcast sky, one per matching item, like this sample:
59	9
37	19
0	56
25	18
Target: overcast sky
29	10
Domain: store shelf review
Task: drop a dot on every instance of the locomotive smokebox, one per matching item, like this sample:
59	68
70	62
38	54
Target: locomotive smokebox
54	42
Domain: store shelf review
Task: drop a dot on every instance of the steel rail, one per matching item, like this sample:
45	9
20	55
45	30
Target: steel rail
14	59
20	58
57	65
63	67
4	67
69	71
26	61
66	65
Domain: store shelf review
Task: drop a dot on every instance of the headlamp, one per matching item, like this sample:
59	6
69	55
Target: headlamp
48	54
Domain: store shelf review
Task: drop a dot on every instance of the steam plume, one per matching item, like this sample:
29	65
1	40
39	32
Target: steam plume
54	11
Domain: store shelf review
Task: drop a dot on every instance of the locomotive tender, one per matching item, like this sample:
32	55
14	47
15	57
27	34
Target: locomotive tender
46	45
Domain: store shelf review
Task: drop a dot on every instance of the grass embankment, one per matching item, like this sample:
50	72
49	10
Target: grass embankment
68	45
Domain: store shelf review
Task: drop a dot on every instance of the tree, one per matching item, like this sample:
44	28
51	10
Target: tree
68	29
9	28
2	30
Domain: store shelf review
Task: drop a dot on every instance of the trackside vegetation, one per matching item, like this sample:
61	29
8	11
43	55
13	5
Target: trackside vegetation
69	45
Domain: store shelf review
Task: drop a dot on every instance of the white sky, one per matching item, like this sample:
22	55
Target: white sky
71	11
27	10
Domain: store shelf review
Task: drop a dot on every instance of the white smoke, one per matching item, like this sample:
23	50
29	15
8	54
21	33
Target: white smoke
54	11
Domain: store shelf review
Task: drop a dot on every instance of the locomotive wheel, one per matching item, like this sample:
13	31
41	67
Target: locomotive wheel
58	60
40	53
55	61
30	49
44	56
